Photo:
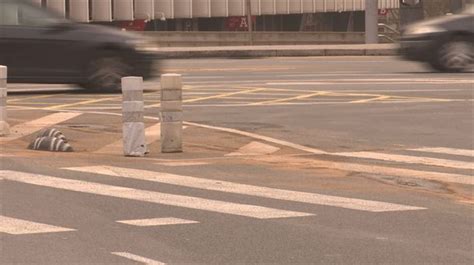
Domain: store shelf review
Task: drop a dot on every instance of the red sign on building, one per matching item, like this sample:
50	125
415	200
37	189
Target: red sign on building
383	12
134	25
238	23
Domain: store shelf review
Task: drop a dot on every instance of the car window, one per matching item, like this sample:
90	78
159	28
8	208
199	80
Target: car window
13	14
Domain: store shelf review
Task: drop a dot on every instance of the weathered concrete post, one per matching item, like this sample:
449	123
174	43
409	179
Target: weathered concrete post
171	113
134	142
4	127
371	21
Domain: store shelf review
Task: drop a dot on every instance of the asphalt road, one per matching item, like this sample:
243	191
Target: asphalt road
359	160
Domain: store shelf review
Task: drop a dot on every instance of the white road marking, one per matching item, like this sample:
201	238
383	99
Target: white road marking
230	187
311	81
371	155
247	210
371	99
33	126
182	163
152	134
409	159
379	170
371	81
137	258
254	149
16	226
259	137
157	221
42	89
445	150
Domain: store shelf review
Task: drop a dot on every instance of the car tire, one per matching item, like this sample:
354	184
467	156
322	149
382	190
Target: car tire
454	56
104	74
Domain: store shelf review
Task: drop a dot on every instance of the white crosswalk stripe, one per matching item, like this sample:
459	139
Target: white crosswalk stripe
182	163
254	149
378	170
230	187
445	150
157	221
33	126
196	203
409	159
16	226
138	258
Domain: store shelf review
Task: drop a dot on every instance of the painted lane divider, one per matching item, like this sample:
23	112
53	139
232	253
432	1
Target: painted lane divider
137	258
408	159
445	150
230	187
247	210
157	221
16	226
254	149
377	170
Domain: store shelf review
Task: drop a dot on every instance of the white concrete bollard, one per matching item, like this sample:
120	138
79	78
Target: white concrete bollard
171	113
134	142
4	127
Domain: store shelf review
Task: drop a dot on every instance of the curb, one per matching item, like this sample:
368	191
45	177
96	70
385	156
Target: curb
247	52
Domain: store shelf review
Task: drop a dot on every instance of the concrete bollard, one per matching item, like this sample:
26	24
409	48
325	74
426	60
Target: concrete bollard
4	127
134	142
171	113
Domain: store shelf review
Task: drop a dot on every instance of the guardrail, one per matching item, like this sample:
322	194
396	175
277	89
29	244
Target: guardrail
388	33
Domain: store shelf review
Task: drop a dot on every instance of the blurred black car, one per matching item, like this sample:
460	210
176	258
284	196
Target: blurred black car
41	47
445	43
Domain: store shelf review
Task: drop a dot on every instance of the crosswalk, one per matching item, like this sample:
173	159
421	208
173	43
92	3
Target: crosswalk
399	162
252	210
440	164
62	181
229	187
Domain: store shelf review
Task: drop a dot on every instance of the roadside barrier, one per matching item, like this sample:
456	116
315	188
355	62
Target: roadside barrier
52	132
134	143
51	140
171	113
4	127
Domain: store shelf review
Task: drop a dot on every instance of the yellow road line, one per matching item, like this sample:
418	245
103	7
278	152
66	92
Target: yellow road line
32	97
225	95
32	103
289	99
338	94
16	107
217	96
370	99
261	69
86	102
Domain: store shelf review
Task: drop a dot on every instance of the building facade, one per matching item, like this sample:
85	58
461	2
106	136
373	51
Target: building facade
217	14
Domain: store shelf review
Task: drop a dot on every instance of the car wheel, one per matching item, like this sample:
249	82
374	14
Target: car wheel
104	74
455	56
